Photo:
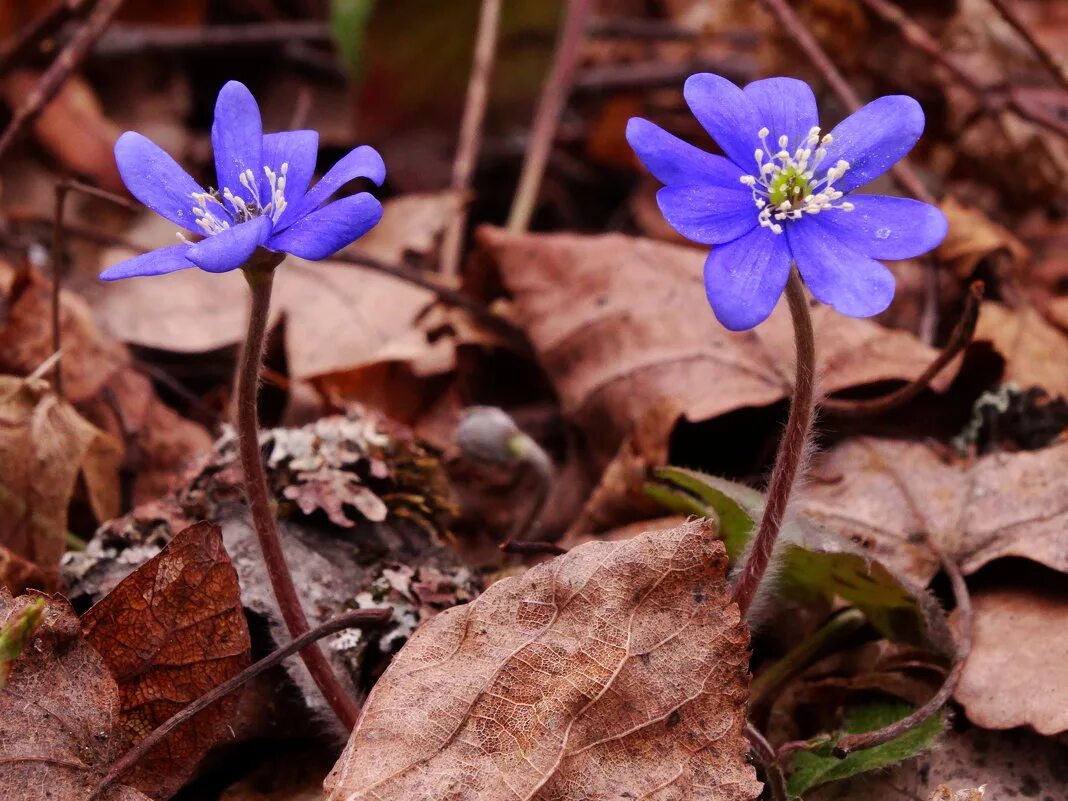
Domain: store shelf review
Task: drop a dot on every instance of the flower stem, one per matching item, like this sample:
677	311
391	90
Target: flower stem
260	279
792	448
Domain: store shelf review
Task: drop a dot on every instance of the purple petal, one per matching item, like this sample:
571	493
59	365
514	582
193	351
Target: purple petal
786	106
874	138
710	215
745	278
231	248
728	115
885	227
156	180
854	284
363	162
237	137
326	231
155	262
298	149
673	161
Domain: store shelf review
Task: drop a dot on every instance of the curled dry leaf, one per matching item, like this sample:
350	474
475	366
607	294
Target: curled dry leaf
56	713
618	670
1035	352
171	631
622	323
1017	673
45	446
893	497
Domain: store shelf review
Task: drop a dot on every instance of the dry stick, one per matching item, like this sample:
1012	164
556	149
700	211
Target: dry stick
993	98
132	40
260	279
1049	61
855	742
905	176
61	190
37	31
769	759
354	619
547	117
471	130
959	339
57	73
791	454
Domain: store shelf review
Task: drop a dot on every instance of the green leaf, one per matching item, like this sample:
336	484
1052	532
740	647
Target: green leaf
819	766
736	505
16	632
348	25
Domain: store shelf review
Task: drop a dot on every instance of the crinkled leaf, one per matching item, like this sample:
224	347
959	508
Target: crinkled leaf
171	631
820	765
616	670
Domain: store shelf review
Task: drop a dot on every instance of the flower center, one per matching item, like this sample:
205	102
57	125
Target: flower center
785	186
215	210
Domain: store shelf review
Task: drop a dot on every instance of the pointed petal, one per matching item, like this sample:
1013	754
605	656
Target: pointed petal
708	214
231	248
885	227
299	150
155	262
237	137
786	106
326	231
728	115
156	180
745	278
363	162
673	161
874	139
854	284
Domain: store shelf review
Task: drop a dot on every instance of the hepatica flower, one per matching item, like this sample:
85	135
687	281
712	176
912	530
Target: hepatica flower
784	194
262	199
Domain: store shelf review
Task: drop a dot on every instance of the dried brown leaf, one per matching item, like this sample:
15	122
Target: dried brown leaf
618	670
1035	352
1017	673
171	631
622	323
45	445
892	497
56	713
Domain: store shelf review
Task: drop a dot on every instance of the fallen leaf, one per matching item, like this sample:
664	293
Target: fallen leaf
14	634
1017	672
616	670
892	497
45	446
973	237
621	324
1035	352
57	712
170	632
1010	764
944	792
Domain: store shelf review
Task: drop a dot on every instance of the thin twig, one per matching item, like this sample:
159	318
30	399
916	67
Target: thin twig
765	753
1049	61
959	339
792	448
260	279
531	547
652	74
856	742
993	98
348	620
471	130
135	40
32	35
547	117
57	73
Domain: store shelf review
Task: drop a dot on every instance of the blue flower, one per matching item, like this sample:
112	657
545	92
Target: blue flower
779	197
263	199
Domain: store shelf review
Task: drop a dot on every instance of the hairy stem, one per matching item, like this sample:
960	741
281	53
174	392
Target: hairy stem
260	279
792	448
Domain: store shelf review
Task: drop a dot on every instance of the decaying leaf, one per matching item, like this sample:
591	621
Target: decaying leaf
1035	352
944	792
819	766
15	632
57	713
892	497
617	670
171	631
622	323
1017	672
45	445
